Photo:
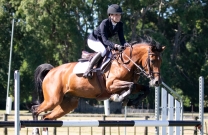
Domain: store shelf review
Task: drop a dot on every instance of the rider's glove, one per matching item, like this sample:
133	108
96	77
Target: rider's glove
119	47
126	45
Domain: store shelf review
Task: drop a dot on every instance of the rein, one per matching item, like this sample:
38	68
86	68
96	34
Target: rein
138	67
150	74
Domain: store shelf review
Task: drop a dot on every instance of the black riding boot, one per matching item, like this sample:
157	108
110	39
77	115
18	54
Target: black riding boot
94	60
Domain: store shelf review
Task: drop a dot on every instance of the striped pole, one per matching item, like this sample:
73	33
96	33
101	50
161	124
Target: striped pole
98	123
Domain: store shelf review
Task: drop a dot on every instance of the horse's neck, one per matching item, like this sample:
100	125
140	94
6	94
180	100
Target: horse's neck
137	57
126	64
133	56
117	65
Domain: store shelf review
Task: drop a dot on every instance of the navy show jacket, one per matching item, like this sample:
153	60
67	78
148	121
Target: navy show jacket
105	31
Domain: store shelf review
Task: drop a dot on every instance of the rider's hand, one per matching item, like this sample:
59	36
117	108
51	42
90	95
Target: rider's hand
127	44
119	47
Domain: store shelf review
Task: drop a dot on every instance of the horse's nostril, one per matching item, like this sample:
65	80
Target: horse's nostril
156	82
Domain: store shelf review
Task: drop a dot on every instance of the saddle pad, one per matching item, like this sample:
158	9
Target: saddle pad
81	67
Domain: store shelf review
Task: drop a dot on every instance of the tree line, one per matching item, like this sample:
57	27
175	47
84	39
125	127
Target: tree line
55	32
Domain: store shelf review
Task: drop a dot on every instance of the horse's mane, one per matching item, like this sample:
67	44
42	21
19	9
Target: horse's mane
148	40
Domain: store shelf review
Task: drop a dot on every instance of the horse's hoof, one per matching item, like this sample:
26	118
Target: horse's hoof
35	131
114	97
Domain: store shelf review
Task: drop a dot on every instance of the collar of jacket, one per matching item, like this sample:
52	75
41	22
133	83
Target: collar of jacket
111	24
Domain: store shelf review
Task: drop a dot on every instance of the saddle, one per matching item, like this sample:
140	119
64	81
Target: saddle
99	71
86	56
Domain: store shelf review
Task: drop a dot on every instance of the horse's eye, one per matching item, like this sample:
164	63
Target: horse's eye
152	61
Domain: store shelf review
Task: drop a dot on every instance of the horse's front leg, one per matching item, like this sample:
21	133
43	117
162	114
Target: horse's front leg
143	89
123	86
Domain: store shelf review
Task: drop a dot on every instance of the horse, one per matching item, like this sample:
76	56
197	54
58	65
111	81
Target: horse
60	89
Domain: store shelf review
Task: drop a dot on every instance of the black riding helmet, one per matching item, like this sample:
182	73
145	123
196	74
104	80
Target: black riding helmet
114	9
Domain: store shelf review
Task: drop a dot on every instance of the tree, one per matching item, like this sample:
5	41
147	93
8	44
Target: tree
55	32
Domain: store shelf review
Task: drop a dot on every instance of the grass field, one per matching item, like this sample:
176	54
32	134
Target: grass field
96	130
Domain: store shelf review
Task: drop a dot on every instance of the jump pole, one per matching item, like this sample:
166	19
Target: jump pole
17	101
201	103
99	123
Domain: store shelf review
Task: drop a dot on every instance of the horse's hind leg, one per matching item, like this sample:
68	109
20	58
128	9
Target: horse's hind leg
35	130
68	104
33	110
53	96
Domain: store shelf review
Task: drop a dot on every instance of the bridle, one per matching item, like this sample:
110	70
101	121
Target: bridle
140	70
151	73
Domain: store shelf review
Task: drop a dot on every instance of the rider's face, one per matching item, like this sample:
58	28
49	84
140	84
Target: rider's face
115	17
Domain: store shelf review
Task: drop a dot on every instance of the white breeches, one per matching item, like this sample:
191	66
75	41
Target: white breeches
97	46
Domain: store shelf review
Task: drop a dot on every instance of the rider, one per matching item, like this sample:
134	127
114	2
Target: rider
98	40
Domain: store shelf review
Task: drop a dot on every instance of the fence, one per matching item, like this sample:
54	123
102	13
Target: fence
172	108
112	123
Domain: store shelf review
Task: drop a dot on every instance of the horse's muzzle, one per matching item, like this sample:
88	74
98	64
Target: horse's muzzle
155	82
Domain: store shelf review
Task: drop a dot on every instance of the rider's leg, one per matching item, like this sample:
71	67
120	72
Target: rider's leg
97	47
94	60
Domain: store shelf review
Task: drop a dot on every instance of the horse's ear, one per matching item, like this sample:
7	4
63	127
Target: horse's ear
154	48
163	48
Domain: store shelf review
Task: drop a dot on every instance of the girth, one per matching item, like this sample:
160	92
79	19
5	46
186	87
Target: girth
105	94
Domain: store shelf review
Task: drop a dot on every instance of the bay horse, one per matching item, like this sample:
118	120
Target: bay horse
60	89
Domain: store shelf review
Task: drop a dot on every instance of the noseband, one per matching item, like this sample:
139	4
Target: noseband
141	69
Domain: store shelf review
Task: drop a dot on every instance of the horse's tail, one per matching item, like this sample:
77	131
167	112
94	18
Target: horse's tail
40	73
